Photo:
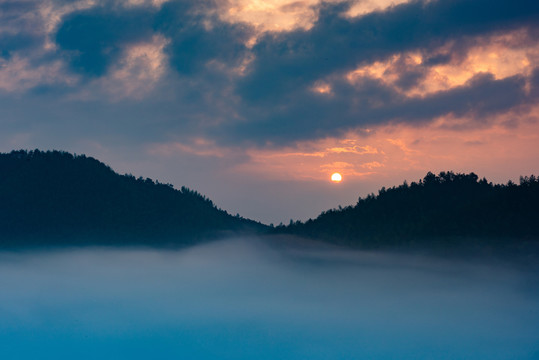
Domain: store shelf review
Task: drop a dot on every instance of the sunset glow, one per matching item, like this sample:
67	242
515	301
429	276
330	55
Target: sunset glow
501	56
336	177
269	179
255	101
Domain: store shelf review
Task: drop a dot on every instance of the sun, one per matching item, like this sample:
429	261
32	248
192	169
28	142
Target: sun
336	177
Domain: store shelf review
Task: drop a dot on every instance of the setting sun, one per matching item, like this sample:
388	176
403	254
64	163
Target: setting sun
336	177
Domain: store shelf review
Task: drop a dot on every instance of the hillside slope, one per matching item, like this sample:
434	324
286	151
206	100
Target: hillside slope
56	198
444	206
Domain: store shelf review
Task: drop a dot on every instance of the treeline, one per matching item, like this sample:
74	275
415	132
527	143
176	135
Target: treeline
56	197
444	206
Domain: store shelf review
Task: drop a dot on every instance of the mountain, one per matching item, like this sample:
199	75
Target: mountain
445	207
55	198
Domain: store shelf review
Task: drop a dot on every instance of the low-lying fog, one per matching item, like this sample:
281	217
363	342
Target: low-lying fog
257	299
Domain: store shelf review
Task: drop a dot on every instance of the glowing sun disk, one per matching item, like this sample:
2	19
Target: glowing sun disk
336	177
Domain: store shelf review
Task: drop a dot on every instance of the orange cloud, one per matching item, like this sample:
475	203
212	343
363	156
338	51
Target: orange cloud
322	87
270	15
391	151
364	7
384	153
501	55
287	15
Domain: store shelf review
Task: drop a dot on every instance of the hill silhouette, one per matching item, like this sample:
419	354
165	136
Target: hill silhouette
445	206
54	198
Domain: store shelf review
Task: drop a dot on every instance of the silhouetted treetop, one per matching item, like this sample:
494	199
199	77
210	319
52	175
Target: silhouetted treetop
69	198
438	206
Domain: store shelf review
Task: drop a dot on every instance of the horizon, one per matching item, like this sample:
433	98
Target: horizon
256	104
521	177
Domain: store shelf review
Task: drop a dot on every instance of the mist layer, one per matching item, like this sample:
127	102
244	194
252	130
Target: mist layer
259	299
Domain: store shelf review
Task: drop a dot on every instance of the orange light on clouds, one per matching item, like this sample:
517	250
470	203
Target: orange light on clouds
502	56
400	151
141	68
498	150
322	88
367	6
270	15
287	15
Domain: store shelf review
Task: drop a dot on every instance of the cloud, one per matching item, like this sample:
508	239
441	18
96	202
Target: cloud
27	58
350	66
431	60
304	115
226	95
93	39
287	15
415	74
388	151
19	74
197	37
335	43
138	71
21	28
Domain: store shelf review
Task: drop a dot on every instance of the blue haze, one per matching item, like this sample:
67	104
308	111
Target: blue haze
258	299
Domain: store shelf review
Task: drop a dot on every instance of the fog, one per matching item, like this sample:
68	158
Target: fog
250	298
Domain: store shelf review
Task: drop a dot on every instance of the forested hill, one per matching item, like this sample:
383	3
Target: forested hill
444	206
53	197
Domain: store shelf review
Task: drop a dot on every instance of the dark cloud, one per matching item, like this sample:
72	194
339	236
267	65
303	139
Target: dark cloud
306	115
480	99
278	103
12	43
410	78
94	38
19	27
12	13
535	83
197	39
76	95
335	43
274	101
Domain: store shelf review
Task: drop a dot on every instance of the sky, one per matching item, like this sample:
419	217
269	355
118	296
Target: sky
256	103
